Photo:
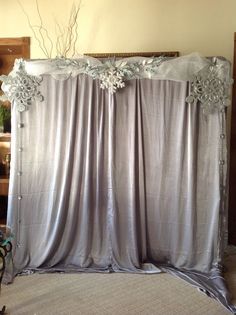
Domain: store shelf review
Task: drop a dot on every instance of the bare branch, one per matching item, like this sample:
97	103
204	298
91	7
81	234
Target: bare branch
42	29
72	28
66	37
46	32
76	34
32	28
58	39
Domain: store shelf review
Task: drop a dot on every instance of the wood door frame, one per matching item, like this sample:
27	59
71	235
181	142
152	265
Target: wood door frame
134	54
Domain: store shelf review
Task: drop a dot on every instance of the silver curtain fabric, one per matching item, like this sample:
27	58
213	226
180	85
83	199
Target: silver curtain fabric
123	182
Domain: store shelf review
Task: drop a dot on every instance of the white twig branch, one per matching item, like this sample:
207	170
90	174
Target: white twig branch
33	30
45	30
66	38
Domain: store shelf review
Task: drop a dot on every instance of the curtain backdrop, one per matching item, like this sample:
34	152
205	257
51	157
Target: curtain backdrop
122	182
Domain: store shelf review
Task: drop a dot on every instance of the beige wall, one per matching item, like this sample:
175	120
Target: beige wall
206	26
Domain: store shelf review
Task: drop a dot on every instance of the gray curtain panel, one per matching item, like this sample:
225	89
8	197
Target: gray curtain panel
122	182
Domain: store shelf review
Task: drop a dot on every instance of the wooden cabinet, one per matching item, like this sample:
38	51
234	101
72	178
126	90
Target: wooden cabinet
11	49
4	183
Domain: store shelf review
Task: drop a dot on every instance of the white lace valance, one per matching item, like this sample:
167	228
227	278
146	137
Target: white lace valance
210	78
